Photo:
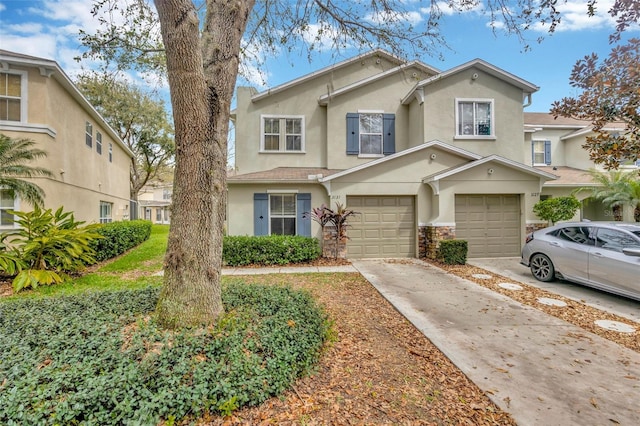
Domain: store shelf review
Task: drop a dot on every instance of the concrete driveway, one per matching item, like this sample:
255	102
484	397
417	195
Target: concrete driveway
540	369
510	267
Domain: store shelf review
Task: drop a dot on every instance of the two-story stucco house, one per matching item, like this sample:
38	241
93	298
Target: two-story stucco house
89	161
420	153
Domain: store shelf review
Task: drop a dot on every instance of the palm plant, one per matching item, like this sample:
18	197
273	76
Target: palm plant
15	158
615	189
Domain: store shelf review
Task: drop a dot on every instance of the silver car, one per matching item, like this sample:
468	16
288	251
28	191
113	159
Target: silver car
603	255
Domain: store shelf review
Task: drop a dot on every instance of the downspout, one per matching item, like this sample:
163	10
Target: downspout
529	100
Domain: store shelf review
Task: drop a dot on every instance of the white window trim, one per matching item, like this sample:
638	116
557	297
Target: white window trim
370	111
492	136
283	142
16	207
24	91
295	214
106	219
533	152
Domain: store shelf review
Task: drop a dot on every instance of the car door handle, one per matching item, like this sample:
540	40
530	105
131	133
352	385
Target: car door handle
555	244
596	253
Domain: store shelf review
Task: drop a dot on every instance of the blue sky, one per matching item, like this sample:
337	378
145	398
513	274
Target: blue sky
49	29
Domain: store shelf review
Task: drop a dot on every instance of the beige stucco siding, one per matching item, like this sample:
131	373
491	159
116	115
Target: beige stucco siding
440	113
82	178
325	127
240	204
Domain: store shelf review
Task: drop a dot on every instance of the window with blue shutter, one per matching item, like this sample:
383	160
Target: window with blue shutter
541	152
281	214
371	134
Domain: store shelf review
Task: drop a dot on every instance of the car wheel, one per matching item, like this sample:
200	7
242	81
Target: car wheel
542	268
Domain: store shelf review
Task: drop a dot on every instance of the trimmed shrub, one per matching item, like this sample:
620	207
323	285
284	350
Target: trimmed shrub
453	252
269	250
99	359
119	237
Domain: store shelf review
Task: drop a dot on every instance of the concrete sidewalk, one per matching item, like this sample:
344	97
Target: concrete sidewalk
542	370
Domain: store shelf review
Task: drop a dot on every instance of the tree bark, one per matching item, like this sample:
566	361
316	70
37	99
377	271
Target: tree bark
202	75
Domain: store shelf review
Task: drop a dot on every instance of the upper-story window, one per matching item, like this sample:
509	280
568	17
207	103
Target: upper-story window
110	152
282	133
166	194
89	134
11	97
541	152
99	143
370	134
474	119
370	127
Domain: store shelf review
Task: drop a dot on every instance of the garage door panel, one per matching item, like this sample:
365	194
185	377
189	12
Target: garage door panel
490	223
386	227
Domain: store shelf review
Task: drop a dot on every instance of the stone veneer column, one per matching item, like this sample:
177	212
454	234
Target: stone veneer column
432	237
329	241
534	227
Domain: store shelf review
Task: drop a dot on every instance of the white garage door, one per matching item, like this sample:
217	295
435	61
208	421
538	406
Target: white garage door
385	227
490	224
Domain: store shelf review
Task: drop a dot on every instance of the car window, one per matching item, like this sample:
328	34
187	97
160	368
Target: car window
575	234
611	239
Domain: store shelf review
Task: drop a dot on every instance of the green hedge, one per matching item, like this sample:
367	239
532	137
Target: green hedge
95	359
120	237
269	250
453	252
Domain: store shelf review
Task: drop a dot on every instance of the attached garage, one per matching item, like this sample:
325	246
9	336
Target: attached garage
385	227
490	224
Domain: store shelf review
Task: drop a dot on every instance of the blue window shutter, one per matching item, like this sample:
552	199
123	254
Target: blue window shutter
303	221
547	152
260	214
389	134
353	134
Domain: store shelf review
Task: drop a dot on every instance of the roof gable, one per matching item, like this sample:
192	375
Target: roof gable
324	99
468	155
376	53
482	65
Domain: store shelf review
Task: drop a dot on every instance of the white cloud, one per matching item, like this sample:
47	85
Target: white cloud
411	17
40	45
2	7
24	28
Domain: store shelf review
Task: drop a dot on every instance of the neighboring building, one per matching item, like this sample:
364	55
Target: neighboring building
555	145
90	163
154	202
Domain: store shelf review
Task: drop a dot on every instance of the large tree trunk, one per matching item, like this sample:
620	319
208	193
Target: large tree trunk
202	77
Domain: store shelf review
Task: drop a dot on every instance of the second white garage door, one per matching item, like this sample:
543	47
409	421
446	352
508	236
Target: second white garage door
385	227
490	224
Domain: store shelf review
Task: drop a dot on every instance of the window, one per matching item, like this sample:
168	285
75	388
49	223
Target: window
110	152
370	129
282	134
158	214
99	143
7	202
370	134
541	153
105	212
282	214
612	239
166	194
89	134
11	102
474	118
